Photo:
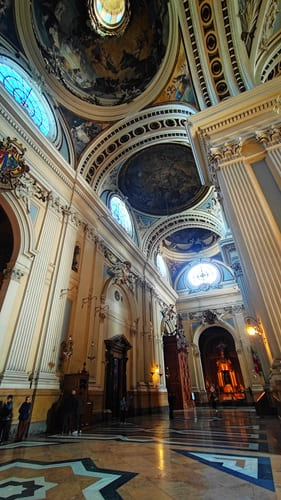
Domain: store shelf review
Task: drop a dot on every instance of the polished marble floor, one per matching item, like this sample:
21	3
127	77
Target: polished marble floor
200	454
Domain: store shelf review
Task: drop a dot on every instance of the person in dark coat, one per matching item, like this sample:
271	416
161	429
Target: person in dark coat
171	401
80	413
6	413
69	409
123	410
24	414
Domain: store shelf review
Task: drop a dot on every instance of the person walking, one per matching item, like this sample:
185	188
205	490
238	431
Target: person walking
6	413
24	414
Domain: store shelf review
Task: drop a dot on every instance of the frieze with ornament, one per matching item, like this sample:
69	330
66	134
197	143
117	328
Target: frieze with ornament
26	188
122	274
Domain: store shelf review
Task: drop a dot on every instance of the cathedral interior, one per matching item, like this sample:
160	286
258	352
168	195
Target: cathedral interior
140	255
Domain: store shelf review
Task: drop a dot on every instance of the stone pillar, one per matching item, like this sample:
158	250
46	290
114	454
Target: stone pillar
256	235
24	346
271	140
50	342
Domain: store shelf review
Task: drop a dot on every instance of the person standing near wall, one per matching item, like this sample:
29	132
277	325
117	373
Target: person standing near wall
6	413
69	408
123	410
24	414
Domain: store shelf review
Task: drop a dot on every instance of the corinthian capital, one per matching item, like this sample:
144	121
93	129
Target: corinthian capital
269	136
226	151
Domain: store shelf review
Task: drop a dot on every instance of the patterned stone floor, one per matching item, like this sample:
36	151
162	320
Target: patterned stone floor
200	454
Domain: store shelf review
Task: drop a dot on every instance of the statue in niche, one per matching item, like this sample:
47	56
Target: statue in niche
209	317
226	374
76	258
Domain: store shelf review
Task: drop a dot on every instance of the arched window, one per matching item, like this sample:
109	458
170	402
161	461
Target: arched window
203	275
25	92
120	213
161	265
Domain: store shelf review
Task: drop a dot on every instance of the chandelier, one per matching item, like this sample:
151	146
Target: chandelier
109	17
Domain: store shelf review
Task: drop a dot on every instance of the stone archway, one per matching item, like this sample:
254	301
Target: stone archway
220	364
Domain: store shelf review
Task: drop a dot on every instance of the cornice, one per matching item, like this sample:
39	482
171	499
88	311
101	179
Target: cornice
235	120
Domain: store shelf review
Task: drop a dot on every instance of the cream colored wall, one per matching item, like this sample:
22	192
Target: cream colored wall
32	313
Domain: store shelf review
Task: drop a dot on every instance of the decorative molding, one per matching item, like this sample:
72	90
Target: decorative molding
237	269
268	22
226	152
160	123
193	218
269	136
14	274
248	14
27	188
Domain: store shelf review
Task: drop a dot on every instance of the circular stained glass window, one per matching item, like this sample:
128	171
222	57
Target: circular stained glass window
25	93
109	17
120	213
202	274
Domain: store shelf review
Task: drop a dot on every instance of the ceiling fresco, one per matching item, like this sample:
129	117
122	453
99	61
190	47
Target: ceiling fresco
190	240
161	180
101	70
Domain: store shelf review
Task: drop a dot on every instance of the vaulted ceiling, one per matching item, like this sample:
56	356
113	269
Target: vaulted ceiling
126	99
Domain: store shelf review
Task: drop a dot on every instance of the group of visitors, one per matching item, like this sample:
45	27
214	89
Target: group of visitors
6	415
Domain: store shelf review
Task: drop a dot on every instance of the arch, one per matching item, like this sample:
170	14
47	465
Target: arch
220	362
21	223
21	240
222	324
164	228
129	296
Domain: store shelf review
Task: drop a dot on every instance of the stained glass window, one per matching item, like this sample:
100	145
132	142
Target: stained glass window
17	83
120	213
203	273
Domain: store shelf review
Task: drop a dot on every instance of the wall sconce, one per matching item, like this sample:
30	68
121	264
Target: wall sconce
67	347
253	326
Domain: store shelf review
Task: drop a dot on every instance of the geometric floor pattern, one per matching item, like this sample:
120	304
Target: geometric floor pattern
230	455
256	470
98	483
